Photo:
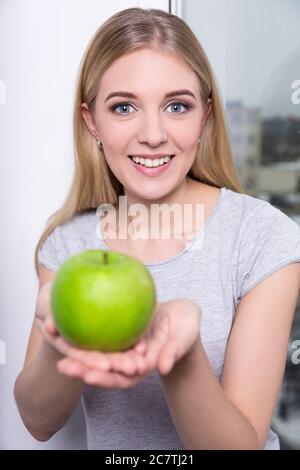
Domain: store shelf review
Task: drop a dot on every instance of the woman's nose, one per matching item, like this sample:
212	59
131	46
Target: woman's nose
152	130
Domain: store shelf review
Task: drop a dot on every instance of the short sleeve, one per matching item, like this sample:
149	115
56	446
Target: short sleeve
48	254
271	241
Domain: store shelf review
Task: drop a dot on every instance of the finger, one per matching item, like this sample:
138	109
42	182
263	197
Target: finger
117	361
157	338
55	340
103	379
110	380
48	337
69	350
167	357
140	362
127	362
50	326
123	362
66	349
160	330
140	346
93	359
71	368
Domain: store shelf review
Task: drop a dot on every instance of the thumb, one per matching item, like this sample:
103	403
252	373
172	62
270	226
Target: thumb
50	325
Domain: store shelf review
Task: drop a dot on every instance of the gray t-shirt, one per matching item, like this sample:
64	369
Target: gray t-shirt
243	241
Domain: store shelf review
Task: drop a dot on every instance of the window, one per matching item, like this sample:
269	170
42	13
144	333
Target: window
254	49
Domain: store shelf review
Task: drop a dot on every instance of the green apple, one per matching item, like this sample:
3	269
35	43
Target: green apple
102	300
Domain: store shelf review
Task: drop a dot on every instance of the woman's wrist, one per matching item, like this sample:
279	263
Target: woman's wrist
49	351
50	356
192	356
188	361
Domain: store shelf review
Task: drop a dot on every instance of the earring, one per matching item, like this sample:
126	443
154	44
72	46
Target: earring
199	140
99	143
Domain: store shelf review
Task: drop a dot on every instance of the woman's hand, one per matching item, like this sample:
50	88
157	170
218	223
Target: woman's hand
43	311
106	370
174	328
173	333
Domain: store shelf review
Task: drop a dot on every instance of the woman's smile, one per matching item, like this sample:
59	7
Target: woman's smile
150	167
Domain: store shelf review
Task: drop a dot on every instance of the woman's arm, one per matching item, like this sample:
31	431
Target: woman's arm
54	374
45	397
237	413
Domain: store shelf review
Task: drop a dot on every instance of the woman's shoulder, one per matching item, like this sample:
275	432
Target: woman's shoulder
79	224
246	204
264	239
67	238
252	212
77	227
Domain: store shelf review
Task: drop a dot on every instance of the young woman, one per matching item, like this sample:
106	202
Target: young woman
149	126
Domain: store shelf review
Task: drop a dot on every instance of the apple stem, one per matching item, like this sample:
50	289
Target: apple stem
105	257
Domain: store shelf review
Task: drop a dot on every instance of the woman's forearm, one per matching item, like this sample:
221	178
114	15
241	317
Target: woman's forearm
45	397
202	414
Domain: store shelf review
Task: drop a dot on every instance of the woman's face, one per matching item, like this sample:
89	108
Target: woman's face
147	121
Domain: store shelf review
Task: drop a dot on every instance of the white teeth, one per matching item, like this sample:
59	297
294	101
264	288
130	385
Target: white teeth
151	163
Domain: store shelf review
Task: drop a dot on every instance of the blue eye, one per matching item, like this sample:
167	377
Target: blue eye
179	103
127	105
123	105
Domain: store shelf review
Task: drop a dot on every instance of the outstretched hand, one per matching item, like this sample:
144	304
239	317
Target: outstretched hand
173	333
174	328
114	370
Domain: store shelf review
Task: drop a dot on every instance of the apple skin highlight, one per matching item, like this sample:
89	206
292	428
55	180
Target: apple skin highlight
102	300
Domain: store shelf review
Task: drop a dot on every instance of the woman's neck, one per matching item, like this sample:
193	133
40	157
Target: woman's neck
166	214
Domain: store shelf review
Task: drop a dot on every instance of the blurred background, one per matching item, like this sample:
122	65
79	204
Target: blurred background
254	49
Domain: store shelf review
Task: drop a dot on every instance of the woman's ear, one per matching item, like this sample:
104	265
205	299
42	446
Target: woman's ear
89	120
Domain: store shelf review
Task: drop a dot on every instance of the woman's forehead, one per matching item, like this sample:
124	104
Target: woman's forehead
143	70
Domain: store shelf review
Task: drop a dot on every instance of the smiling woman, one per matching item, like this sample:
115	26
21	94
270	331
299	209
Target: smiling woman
149	126
174	111
151	121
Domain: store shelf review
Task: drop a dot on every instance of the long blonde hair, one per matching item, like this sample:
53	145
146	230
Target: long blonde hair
129	30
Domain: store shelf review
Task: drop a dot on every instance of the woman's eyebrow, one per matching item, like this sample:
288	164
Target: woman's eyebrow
126	94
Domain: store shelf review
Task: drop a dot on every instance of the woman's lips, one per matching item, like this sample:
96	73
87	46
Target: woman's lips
152	171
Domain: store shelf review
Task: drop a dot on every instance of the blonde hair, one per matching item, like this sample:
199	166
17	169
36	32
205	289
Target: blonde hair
129	30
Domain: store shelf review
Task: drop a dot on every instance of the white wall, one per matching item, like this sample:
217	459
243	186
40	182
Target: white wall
41	44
